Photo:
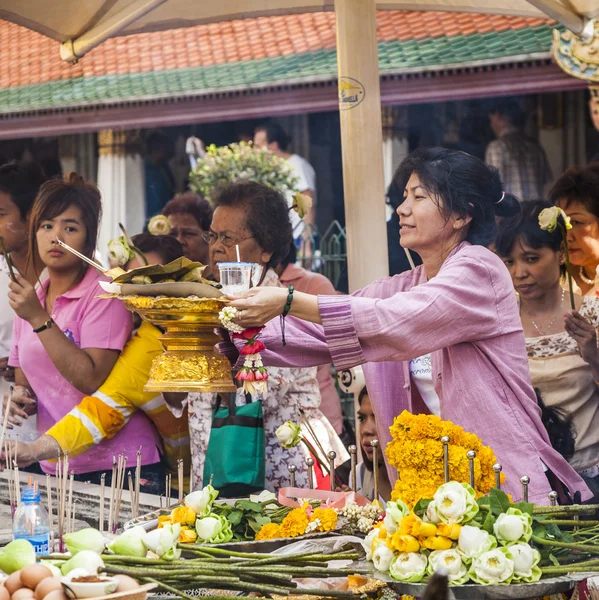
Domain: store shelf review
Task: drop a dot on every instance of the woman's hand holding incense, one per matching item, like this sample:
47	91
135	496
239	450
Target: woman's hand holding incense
24	301
22	406
585	336
44	448
5	371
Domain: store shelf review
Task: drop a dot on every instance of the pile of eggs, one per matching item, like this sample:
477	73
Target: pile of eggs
36	582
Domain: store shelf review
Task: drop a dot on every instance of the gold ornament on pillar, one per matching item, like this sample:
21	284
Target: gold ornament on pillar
579	57
119	143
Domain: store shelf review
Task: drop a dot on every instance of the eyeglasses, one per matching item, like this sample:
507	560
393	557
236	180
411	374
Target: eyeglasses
226	240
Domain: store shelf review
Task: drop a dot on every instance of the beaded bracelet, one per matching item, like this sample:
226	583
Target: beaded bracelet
286	310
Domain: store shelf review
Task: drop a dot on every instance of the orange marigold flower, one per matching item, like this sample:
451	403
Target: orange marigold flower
295	523
269	532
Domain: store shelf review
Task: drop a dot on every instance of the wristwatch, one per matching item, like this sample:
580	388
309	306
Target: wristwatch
45	326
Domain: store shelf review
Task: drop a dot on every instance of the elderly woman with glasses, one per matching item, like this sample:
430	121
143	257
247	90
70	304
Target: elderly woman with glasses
255	218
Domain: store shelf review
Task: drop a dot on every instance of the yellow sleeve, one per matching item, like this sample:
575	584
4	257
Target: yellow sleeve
107	411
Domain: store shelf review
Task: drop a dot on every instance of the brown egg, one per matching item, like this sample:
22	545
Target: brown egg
56	595
13	582
45	586
126	583
4	595
23	594
33	574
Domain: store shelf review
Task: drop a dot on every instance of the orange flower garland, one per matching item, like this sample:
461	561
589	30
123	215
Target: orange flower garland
416	452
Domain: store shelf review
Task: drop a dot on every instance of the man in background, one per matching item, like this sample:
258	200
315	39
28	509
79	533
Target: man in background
274	138
160	182
521	161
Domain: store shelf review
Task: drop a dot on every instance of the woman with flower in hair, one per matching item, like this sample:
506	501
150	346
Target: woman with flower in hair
445	338
561	343
66	340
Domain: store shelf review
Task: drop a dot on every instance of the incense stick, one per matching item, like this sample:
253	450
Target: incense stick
112	491
133	247
50	511
6	414
410	259
180	479
137	481
7	259
70	503
102	494
131	491
84	258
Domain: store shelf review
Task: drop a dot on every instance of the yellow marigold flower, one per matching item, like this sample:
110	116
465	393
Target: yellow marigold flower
187	536
184	515
327	518
437	543
449	531
295	523
417	453
269	532
403	543
164	520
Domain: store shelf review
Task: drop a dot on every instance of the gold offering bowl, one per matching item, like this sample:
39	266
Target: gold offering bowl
190	362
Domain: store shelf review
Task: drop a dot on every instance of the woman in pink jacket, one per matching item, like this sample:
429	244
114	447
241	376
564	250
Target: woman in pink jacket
445	338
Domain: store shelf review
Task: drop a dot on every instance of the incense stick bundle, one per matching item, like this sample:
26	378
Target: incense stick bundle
102	494
84	258
11	271
122	463
167	490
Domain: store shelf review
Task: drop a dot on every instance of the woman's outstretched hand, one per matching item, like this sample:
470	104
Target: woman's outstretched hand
258	306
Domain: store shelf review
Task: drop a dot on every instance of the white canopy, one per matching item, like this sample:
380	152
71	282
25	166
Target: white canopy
83	24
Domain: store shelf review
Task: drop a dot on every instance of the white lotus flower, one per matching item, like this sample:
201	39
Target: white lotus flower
130	543
367	543
455	502
513	526
382	558
289	434
548	218
448	562
119	251
214	529
159	225
526	560
202	500
431	513
409	567
493	567
474	541
163	541
394	513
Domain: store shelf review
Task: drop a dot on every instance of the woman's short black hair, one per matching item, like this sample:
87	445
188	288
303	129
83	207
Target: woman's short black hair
167	246
578	184
525	226
192	204
21	180
463	184
267	215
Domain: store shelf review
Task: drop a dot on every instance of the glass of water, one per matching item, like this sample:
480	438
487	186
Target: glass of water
237	277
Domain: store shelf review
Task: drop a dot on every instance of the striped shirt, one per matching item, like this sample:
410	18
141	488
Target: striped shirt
103	414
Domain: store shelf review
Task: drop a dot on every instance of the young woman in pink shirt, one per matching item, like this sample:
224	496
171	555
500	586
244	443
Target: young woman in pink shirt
444	338
66	340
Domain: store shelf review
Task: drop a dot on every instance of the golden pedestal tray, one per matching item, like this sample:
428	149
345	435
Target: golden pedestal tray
190	362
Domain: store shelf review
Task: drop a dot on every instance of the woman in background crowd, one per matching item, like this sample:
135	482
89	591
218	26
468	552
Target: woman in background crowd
562	352
103	414
577	192
19	184
66	340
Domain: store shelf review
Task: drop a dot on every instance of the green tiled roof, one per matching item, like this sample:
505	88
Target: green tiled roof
395	57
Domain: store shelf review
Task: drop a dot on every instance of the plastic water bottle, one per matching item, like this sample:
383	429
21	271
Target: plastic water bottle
31	521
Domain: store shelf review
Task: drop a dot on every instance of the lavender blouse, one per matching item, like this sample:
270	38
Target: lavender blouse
467	317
